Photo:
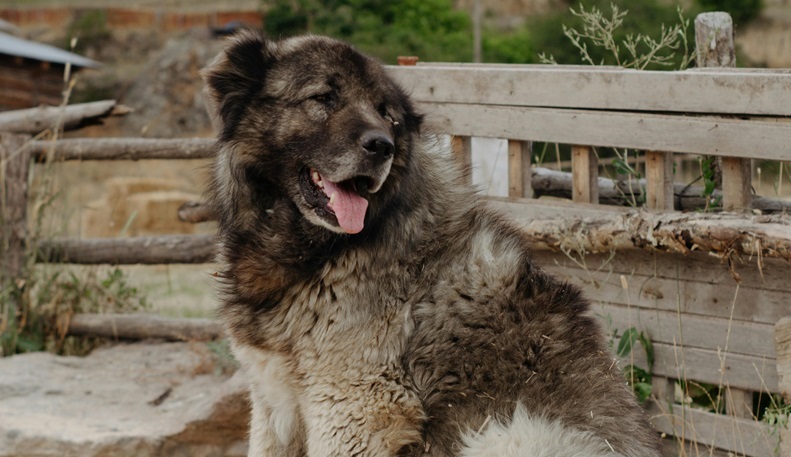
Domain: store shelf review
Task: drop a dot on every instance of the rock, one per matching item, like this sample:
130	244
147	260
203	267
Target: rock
136	400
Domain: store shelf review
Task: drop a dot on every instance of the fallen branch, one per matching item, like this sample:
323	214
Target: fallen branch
129	251
71	117
143	326
122	149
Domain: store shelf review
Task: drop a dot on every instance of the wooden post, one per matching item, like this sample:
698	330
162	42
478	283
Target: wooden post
659	180
715	47
462	152
783	350
14	167
738	403
13	212
519	172
585	175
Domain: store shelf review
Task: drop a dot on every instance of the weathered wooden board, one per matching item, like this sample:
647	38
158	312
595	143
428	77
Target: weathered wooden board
687	293
694	266
711	135
712	91
737	435
731	337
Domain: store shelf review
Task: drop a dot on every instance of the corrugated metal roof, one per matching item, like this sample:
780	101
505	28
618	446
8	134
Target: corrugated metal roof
18	47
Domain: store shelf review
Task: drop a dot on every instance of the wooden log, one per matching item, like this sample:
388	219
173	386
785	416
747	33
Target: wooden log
519	174
461	146
14	170
659	180
720	234
195	212
71	117
129	251
123	149
143	326
585	175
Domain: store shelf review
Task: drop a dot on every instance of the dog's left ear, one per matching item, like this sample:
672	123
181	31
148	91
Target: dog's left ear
236	75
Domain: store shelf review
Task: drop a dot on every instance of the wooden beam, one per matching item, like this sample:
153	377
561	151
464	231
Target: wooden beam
719	234
585	175
659	180
129	251
144	326
519	169
783	348
123	149
711	135
709	90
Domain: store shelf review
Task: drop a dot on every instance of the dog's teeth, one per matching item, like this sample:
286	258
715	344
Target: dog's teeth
317	179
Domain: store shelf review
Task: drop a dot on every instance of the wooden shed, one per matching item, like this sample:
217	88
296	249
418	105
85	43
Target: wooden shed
31	73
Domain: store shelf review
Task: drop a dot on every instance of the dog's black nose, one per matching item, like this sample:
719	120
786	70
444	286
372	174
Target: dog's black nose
378	143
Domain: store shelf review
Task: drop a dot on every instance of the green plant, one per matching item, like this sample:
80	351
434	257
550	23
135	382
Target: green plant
430	29
638	378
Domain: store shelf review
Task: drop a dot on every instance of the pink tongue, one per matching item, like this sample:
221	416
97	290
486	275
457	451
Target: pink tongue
349	208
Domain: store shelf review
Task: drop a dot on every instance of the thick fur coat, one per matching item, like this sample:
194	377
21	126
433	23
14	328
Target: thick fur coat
378	306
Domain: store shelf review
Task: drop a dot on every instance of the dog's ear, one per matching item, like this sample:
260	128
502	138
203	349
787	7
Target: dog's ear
236	75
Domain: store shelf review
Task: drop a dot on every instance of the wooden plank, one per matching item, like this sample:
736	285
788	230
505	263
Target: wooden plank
703	365
123	148
519	169
737	435
129	251
461	147
756	92
659	180
585	175
693	331
697	267
712	135
736	184
671	294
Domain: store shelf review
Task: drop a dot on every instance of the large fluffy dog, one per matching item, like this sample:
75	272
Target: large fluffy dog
378	307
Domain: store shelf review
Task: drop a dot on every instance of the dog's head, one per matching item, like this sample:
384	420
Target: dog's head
314	120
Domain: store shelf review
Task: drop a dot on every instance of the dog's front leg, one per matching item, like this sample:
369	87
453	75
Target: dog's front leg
275	425
374	416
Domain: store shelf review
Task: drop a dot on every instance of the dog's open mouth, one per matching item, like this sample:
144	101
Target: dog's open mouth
339	203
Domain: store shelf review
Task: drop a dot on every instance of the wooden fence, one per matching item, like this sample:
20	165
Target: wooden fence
712	291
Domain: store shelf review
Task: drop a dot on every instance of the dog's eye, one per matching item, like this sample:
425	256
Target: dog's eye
328	99
382	109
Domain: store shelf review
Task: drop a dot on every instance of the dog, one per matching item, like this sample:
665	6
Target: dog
376	304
